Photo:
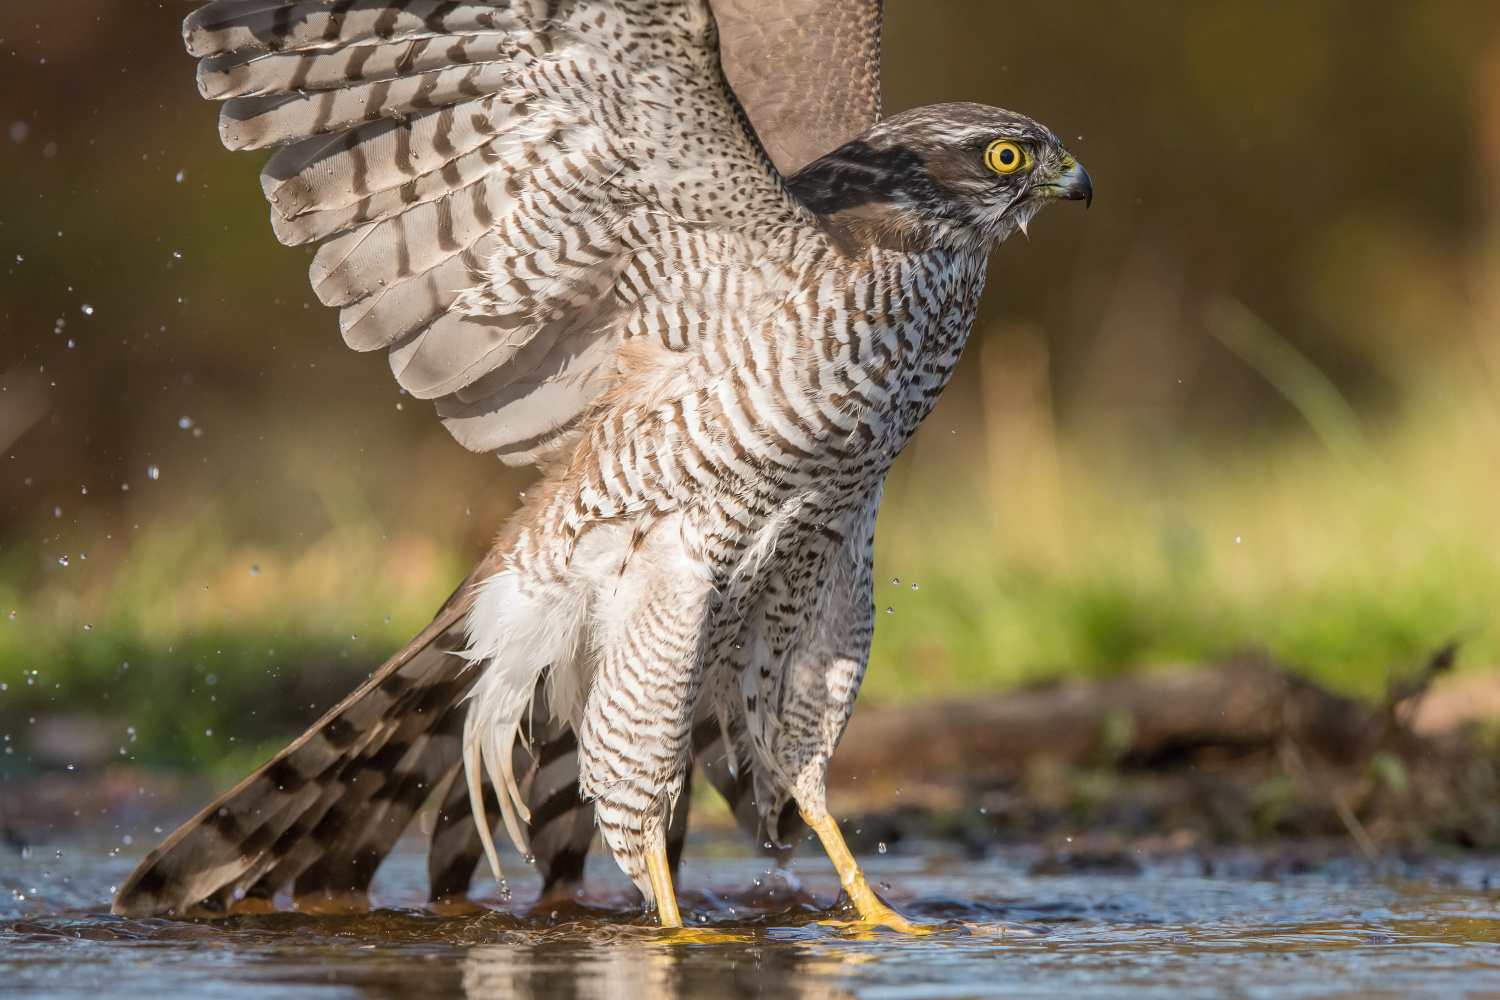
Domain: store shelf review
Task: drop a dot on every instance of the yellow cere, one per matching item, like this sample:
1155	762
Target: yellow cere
1005	157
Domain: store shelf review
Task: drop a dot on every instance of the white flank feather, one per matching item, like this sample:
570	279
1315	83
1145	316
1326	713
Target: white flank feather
515	633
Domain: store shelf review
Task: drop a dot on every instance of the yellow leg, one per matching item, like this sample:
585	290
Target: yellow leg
661	886
871	910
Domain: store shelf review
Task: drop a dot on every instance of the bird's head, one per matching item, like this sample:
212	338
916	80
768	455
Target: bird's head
963	175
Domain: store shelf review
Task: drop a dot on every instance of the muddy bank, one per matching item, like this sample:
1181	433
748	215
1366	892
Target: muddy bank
1230	753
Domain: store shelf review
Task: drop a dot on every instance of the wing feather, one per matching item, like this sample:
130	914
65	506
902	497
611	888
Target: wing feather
381	319
364	260
333	171
280	25
275	118
253	73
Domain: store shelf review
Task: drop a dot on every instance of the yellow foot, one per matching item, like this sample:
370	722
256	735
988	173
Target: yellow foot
879	915
704	935
873	911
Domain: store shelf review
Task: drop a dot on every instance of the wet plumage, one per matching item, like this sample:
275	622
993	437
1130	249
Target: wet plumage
560	221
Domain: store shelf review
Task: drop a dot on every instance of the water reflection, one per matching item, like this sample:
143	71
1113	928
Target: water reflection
502	972
650	969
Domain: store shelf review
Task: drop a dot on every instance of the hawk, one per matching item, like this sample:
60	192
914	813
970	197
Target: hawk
669	252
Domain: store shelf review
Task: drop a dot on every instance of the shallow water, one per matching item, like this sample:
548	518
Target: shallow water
1185	927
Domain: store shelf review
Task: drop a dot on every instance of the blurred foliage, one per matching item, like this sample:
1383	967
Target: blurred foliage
1250	397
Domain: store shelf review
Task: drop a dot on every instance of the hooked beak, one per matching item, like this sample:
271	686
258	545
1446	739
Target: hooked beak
1073	183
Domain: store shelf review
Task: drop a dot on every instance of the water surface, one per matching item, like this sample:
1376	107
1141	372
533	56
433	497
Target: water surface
1186	926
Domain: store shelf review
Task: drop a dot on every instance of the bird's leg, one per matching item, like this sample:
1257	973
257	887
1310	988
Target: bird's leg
661	886
634	738
872	909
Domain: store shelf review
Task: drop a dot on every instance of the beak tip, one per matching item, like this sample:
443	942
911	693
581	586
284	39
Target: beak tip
1079	186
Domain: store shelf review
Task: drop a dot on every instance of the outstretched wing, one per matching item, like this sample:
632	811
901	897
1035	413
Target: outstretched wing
479	172
807	71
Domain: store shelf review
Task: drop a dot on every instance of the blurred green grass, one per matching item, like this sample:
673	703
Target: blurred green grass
1079	555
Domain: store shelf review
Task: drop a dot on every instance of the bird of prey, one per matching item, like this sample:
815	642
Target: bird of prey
669	252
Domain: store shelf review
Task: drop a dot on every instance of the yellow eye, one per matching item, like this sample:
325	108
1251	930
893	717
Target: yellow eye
1005	157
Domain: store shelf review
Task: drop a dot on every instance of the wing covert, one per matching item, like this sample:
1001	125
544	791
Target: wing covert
478	173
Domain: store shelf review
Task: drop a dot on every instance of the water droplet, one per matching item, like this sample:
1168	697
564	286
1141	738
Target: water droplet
896	582
387	619
127	839
87	627
26	853
88	310
152	472
182	174
176	254
353	637
70	341
62	560
882	847
184	422
1236	539
914	586
890	611
255	571
208	732
57	512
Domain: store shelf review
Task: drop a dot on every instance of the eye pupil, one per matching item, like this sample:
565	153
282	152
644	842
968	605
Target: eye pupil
1007	156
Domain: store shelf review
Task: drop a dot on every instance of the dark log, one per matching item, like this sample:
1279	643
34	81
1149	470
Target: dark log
1144	718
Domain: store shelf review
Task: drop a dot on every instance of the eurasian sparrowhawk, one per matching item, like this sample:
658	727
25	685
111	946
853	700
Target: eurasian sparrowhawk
684	267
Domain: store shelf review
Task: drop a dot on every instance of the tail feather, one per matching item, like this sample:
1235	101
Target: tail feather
360	829
455	849
328	807
561	823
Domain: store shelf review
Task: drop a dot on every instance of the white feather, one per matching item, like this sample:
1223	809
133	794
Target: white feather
517	632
